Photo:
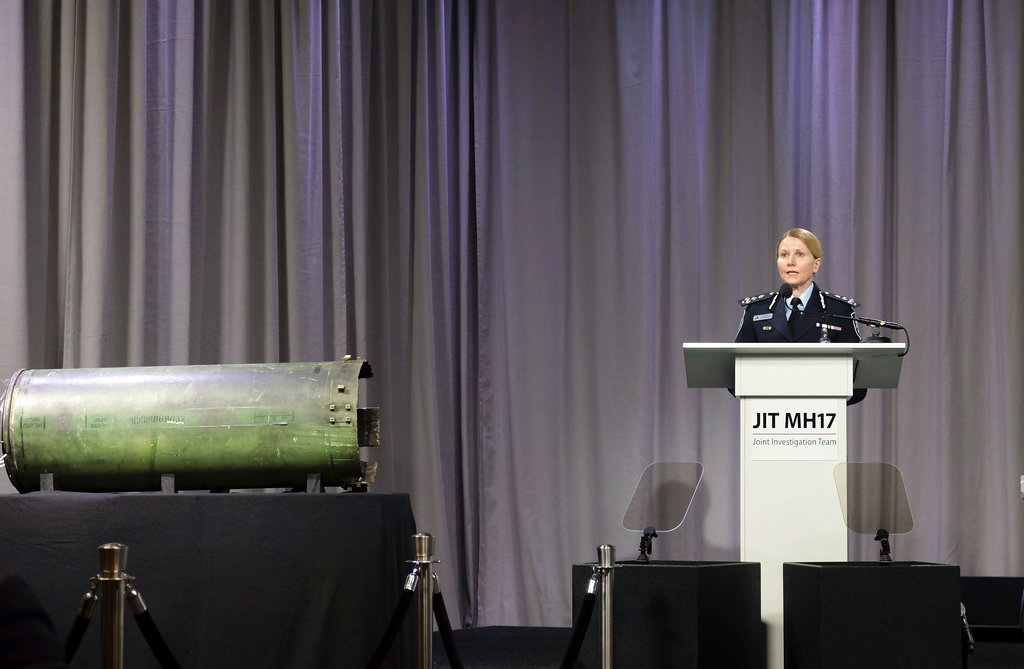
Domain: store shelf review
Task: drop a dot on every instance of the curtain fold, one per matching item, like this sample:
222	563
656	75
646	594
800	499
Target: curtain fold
518	212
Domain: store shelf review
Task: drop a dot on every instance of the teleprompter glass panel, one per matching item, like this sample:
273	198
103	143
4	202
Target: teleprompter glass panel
873	497
662	496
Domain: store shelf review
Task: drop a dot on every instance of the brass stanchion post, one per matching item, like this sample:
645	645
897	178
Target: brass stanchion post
113	558
606	566
423	548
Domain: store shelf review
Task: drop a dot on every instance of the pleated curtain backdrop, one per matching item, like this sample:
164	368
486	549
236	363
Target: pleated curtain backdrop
518	212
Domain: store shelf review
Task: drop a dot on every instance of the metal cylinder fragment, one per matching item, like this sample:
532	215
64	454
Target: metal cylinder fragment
210	426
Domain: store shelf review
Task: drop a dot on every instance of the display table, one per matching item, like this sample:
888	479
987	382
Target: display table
231	580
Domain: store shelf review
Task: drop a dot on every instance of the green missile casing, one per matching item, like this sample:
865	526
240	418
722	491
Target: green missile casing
210	426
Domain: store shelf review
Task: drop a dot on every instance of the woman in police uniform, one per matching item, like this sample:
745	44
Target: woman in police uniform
808	314
816	317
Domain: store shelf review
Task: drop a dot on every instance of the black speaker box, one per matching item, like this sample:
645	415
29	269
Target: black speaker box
840	615
676	614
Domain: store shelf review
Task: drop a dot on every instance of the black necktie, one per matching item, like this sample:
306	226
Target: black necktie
794	315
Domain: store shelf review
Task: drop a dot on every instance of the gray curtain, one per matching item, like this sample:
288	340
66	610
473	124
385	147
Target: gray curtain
518	212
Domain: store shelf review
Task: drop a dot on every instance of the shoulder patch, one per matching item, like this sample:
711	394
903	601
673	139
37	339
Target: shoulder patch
848	300
757	298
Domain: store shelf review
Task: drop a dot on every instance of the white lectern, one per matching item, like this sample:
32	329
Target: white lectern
793	434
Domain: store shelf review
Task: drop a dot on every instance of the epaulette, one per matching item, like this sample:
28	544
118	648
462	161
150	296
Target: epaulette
848	300
747	301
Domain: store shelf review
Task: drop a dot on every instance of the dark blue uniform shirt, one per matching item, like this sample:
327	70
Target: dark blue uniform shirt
764	319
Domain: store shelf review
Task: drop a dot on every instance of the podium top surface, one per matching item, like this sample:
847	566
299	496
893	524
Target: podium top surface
713	365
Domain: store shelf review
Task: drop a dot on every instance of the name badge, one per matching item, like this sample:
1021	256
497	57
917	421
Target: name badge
763	317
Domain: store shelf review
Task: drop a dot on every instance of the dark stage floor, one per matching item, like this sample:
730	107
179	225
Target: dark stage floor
497	647
543	648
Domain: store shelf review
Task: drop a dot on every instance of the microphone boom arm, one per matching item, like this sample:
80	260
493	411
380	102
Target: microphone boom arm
875	324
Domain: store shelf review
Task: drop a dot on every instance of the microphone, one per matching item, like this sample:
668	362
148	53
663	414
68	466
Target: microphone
869	321
874	324
785	290
878	324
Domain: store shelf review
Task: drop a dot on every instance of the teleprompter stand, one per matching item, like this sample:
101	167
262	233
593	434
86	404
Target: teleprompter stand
847	615
663	613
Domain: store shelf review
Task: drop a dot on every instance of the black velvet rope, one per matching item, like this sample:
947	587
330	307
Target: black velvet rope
392	631
149	630
579	631
156	641
444	626
75	637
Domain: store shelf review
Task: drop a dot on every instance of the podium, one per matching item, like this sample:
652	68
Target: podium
793	434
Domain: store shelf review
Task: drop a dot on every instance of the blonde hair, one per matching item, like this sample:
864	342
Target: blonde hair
807	237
